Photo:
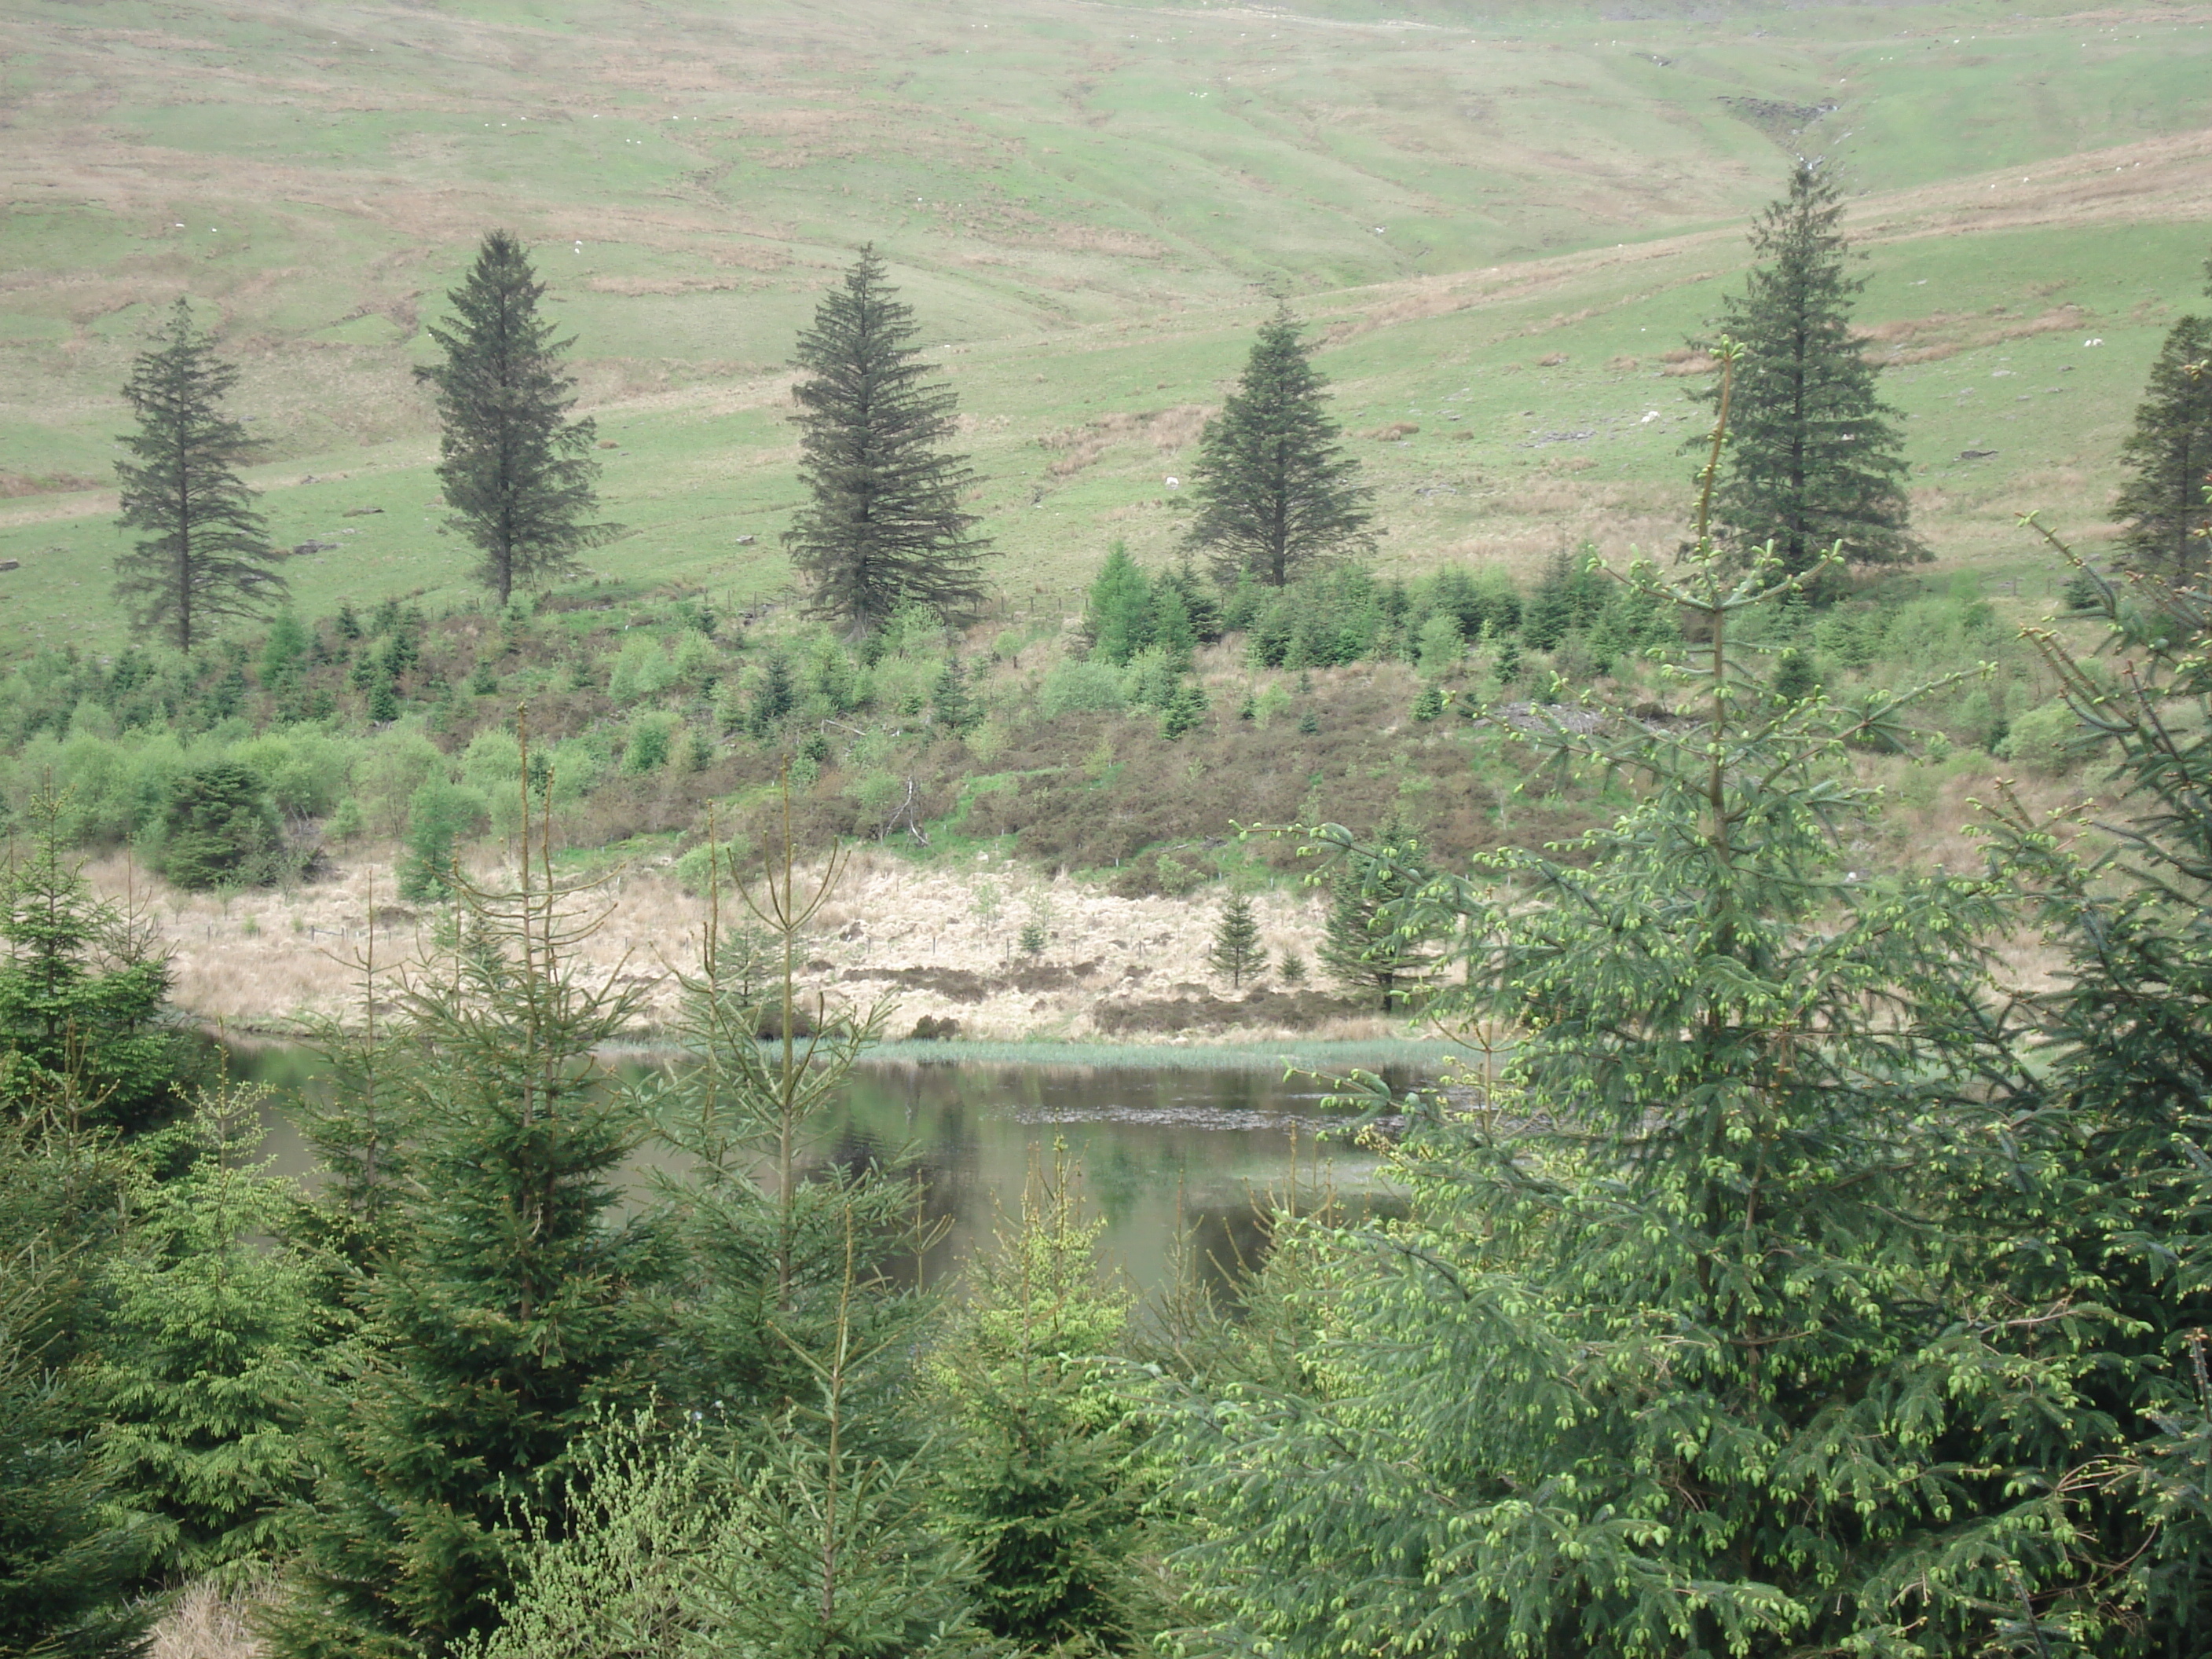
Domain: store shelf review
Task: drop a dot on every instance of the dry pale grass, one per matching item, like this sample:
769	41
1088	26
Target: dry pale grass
1166	429
206	1622
262	962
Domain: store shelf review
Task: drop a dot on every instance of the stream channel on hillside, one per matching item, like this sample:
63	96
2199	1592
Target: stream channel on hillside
1198	1145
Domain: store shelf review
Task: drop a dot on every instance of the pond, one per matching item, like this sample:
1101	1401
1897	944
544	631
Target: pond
1179	1151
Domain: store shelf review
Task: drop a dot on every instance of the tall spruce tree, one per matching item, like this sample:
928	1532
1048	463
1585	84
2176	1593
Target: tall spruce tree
885	526
1814	457
208	557
1274	491
1696	1341
517	473
2168	456
508	1312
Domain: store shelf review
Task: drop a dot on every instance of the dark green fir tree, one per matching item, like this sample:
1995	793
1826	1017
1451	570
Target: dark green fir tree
1273	492
1814	457
206	558
1236	951
2115	1121
2161	506
517	471
883	526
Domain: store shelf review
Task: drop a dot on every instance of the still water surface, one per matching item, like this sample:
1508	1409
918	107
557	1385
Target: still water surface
1165	1152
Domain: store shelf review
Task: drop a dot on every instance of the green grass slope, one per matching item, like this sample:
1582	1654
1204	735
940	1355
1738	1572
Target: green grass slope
1502	217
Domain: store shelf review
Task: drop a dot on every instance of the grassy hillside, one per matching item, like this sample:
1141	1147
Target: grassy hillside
1088	203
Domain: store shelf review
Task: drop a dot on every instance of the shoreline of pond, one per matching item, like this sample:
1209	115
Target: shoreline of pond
1320	1057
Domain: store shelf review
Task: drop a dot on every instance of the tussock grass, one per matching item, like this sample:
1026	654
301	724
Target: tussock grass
207	1621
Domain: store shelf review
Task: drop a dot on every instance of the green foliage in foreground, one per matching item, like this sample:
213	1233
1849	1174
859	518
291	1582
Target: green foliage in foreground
1686	1348
510	1308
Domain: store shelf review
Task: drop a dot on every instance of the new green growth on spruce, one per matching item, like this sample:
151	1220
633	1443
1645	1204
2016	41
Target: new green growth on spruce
884	524
207	558
517	473
1695	1340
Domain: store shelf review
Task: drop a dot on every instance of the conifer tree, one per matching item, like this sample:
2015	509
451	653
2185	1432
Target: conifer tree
1814	457
517	473
2115	1121
792	1516
1045	1476
2168	456
83	990
1118	613
1369	943
952	704
1273	492
208	557
885	526
1236	950
209	1341
510	1310
1690	1344
761	1226
72	1548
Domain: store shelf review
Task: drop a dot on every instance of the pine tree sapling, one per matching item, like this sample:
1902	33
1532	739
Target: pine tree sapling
1237	950
1045	1478
2162	505
1814	457
207	558
82	992
1274	491
884	524
512	1308
952	704
517	473
211	1336
1117	616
